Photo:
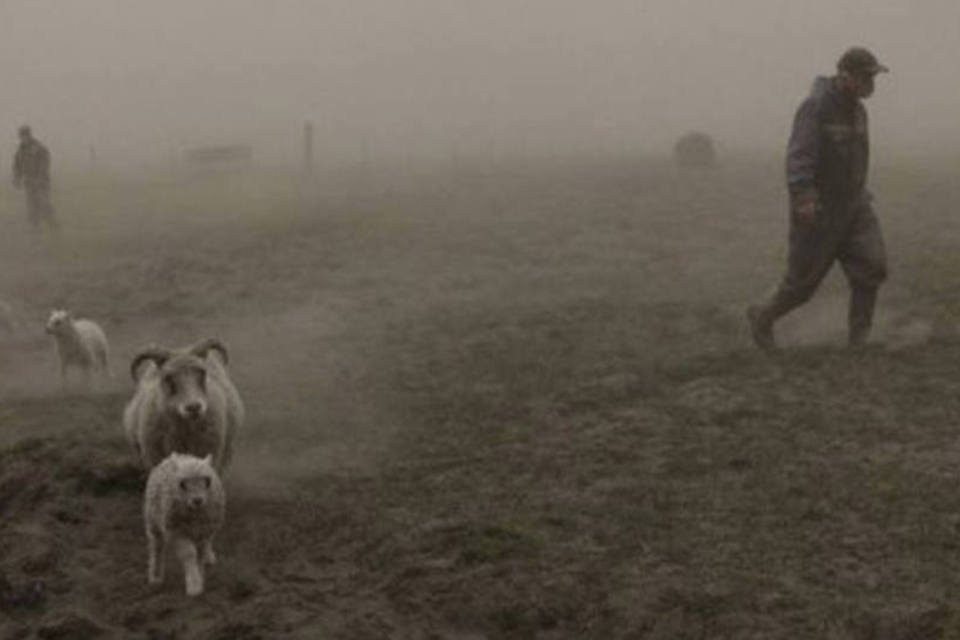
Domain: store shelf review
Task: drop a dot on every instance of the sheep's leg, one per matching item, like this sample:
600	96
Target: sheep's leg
102	361
192	573
105	365
156	544
209	557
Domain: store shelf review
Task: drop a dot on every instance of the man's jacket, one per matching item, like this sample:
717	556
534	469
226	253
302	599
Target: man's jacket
31	165
829	149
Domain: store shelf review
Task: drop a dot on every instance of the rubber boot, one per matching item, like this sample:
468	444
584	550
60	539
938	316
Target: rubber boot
863	300
760	321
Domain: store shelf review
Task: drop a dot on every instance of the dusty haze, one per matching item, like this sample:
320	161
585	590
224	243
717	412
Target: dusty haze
140	81
484	400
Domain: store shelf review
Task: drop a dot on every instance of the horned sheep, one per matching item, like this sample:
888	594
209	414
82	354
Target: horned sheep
80	343
184	402
184	503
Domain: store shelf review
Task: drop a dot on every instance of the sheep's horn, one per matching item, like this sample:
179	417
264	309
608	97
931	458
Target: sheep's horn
202	347
158	355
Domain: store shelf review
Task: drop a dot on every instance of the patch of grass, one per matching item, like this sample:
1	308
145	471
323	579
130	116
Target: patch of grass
478	545
26	446
109	478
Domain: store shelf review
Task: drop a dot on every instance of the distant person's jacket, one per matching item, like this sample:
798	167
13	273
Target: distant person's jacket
829	147
31	165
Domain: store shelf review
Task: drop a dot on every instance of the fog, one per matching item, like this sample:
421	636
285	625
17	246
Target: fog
140	81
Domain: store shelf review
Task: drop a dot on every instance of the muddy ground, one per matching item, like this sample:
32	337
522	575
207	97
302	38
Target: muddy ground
497	400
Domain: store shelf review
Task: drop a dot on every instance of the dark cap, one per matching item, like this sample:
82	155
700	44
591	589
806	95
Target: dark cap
860	60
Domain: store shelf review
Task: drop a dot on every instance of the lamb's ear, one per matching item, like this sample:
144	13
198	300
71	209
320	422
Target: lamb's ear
203	347
155	354
208	459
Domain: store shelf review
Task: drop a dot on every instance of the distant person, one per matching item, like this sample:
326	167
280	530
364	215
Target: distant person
831	216
31	170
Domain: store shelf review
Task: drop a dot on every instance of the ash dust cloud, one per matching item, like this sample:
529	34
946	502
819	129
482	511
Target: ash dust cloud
482	271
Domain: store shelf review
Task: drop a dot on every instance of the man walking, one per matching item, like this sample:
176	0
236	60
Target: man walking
831	216
31	170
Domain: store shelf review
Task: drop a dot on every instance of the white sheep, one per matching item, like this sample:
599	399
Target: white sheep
80	343
185	402
184	502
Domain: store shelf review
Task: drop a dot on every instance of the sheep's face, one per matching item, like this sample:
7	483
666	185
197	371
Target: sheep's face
183	383
194	490
58	321
194	478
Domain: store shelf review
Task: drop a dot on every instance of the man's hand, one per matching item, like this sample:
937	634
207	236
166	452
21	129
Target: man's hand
805	207
807	211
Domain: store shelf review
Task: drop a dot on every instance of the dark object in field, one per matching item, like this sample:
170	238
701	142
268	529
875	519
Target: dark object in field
222	156
31	172
695	149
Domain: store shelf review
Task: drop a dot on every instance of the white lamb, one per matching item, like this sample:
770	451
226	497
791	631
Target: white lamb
184	503
80	343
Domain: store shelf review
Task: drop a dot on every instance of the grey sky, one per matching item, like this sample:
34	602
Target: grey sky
142	79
